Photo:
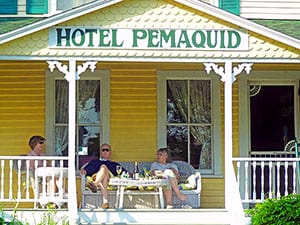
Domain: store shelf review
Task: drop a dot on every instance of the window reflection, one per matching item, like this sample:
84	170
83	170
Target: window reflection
88	127
189	121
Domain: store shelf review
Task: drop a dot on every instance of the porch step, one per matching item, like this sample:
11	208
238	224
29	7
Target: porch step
154	216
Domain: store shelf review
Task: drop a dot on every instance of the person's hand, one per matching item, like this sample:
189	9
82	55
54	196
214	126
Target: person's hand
82	172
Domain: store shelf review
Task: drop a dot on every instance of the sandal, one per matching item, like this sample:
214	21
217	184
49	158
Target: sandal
105	205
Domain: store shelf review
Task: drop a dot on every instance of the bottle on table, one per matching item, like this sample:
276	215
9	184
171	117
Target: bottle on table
136	171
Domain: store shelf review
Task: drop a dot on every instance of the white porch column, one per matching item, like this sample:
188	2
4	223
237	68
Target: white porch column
71	76
228	76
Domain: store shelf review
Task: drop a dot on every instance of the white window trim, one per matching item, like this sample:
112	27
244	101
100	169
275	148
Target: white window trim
263	78
103	76
216	113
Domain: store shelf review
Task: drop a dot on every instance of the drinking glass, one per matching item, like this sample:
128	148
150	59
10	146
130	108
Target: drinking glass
119	170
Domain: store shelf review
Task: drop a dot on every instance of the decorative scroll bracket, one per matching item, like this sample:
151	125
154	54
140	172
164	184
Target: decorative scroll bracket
64	68
228	69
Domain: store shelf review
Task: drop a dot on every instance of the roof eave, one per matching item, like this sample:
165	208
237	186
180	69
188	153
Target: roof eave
56	19
244	23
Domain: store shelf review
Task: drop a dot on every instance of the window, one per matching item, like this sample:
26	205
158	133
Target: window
188	118
91	108
36	6
8	7
232	6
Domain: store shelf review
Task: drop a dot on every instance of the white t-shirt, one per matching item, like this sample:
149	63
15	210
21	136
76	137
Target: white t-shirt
159	166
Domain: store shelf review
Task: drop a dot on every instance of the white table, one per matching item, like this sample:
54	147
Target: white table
122	183
55	175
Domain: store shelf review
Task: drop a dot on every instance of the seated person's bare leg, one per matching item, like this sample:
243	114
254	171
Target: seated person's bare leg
175	188
102	179
103	188
51	186
101	174
168	196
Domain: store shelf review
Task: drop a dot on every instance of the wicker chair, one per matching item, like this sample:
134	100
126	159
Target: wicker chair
134	200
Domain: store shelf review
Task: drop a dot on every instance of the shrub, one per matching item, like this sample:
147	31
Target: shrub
283	211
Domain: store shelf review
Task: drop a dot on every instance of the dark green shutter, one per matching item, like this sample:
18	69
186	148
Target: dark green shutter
36	6
8	7
232	6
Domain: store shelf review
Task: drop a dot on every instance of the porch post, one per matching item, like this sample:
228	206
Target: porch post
71	76
72	195
228	76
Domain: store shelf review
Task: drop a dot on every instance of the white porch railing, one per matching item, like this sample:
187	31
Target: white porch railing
18	184
260	178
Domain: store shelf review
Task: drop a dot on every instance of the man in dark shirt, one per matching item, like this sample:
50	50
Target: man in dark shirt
101	170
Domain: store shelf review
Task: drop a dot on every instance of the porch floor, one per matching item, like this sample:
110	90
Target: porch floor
132	216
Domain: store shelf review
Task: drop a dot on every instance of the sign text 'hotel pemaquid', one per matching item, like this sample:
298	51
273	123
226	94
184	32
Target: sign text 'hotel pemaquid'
176	39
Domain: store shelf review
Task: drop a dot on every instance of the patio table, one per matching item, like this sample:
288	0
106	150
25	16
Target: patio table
122	183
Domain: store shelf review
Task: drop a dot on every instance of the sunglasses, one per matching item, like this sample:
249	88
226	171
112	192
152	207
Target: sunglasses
105	149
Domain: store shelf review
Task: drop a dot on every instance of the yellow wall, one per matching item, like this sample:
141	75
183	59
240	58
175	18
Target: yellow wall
133	106
22	105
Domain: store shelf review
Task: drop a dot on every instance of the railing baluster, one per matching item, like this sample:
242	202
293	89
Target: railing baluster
262	189
286	178
36	184
19	179
294	177
238	172
10	193
254	180
270	179
246	180
28	181
278	180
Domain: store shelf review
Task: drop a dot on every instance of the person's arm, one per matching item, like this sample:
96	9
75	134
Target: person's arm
82	171
154	166
174	168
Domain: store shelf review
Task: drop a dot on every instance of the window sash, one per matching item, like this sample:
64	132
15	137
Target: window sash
215	121
97	127
189	111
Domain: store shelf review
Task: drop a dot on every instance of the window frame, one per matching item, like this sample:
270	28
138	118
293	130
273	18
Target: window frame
163	76
103	76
